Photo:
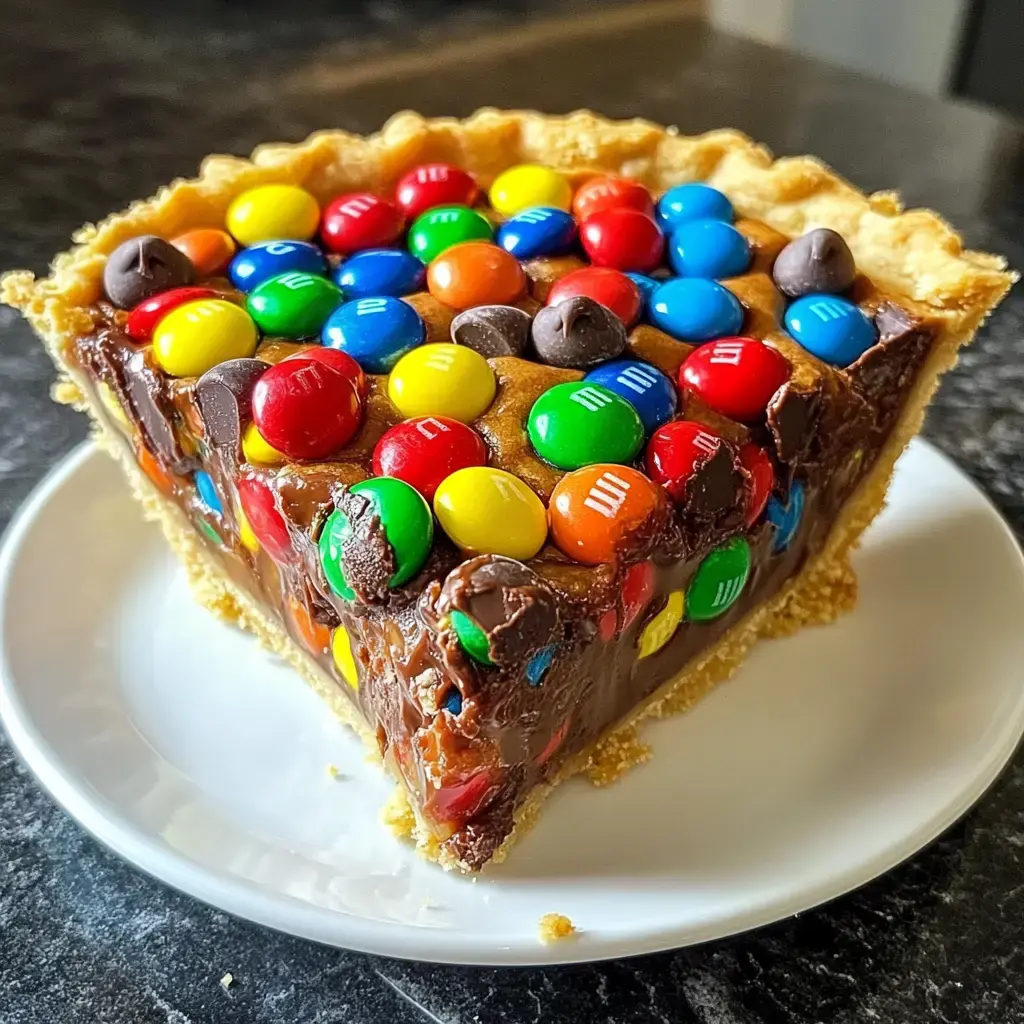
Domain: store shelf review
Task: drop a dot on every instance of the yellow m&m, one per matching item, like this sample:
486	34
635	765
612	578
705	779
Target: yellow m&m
528	185
486	511
245	532
442	379
258	451
663	626
199	335
341	648
270	212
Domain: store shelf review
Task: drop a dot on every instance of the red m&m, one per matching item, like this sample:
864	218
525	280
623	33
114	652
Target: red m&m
760	480
306	408
425	450
147	314
606	285
431	185
622	238
676	451
735	376
606	192
264	519
359	220
595	511
338	360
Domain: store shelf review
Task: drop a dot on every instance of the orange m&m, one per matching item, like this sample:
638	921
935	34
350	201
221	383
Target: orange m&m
595	510
209	249
475	274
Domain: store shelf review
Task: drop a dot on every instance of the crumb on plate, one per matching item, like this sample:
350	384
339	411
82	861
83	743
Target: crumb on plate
227	981
554	927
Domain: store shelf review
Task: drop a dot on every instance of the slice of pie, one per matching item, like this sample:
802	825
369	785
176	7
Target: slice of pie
509	432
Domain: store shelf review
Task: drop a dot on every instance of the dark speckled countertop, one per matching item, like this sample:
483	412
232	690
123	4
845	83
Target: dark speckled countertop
101	103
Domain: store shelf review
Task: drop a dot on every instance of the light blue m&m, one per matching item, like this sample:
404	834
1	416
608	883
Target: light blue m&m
375	332
376	272
786	518
831	328
708	248
259	263
644	386
695	309
693	201
538	231
208	492
645	284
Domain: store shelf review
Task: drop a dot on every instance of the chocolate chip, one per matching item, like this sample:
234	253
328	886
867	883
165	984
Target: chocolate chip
793	419
515	608
819	261
493	330
154	410
367	558
142	267
578	333
224	394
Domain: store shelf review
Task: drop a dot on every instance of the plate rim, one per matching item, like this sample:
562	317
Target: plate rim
280	912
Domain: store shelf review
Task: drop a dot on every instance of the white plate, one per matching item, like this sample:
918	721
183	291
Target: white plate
831	757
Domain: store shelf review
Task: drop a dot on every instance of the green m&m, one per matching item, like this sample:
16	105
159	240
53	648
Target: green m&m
293	305
578	424
407	523
473	639
445	226
719	581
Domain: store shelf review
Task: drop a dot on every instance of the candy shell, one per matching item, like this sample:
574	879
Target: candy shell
472	638
198	335
260	262
622	238
293	305
606	285
644	386
539	231
445	226
831	328
147	314
708	248
359	220
540	664
258	451
377	272
719	581
341	651
375	332
693	201
265	519
736	377
340	361
663	626
694	309
606	192
760	480
527	185
273	211
430	185
209	249
207	491
677	451
786	518
475	274
442	379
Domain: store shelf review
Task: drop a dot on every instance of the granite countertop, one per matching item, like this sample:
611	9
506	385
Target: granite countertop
101	103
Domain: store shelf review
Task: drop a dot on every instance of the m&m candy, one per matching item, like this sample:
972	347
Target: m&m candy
425	450
405	519
445	226
475	274
606	192
736	377
431	185
338	360
595	511
359	220
540	664
376	272
693	201
207	491
708	248
376	332
293	305
644	386
645	284
488	511
786	517
472	639
258	451
442	379
622	238
695	309
265	519
344	660
305	408
148	313
831	328
209	249
760	480
198	335
676	451
273	211
606	285
578	424
539	231
261	262
663	626
637	590
527	185
719	581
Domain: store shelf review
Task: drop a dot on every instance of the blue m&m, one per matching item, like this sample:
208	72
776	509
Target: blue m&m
693	201
786	518
695	309
831	328
540	231
645	284
644	386
708	248
208	492
259	263
377	272
375	332
539	664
